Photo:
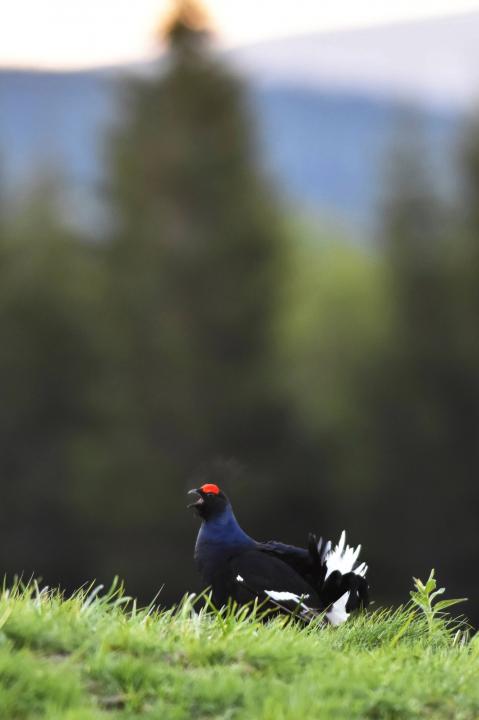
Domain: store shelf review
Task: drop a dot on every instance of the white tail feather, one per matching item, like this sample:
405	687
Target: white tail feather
343	558
337	614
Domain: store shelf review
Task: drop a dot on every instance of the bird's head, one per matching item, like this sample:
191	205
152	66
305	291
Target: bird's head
211	501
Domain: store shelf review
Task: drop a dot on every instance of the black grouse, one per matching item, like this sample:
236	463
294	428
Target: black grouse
290	579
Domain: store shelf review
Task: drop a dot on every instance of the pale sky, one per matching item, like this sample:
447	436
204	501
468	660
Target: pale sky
84	33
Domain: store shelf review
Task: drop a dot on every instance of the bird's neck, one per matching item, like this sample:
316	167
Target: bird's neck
224	529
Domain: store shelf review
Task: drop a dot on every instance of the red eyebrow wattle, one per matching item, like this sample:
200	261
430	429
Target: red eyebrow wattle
210	488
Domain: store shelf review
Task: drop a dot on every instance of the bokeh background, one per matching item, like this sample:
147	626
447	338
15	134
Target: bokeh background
255	264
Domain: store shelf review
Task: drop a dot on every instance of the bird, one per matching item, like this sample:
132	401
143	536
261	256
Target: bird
318	580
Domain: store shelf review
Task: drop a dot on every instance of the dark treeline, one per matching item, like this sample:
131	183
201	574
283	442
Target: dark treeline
209	337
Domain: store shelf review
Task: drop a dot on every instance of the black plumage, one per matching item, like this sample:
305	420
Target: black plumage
303	581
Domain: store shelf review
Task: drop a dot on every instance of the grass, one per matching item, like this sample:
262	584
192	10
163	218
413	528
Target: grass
92	657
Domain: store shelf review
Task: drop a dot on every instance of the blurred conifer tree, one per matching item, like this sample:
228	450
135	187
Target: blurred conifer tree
199	240
48	360
426	422
196	258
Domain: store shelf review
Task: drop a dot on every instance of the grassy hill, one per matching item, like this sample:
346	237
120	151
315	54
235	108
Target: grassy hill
90	657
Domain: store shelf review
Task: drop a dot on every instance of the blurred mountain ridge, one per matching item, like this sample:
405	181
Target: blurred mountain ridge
428	61
325	106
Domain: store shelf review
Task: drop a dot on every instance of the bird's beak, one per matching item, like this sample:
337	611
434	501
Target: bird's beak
199	501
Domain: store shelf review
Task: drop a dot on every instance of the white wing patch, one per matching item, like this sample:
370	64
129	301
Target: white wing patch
283	596
343	558
275	595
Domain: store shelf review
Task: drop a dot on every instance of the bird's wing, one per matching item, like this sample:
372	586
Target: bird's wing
332	571
308	562
262	575
298	558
